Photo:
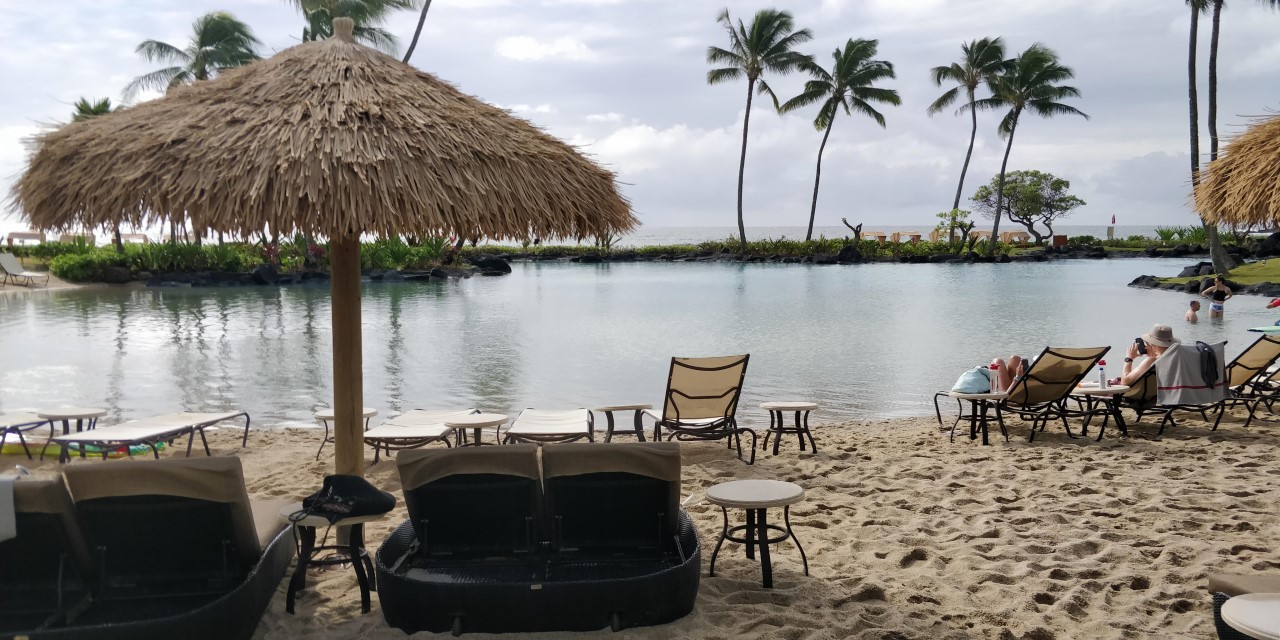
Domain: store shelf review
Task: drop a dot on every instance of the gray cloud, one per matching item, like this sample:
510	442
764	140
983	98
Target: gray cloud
625	80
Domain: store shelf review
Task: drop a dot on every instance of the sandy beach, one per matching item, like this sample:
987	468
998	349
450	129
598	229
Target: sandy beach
911	536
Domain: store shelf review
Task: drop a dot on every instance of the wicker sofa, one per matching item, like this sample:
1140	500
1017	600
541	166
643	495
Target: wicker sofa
495	542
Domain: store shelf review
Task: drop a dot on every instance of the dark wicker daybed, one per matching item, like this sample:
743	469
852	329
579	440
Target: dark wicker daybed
487	549
147	549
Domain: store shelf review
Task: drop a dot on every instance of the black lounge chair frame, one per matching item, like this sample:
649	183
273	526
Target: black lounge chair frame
20	428
725	427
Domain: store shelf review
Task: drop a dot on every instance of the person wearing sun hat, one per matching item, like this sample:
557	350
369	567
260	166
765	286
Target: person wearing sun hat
1155	342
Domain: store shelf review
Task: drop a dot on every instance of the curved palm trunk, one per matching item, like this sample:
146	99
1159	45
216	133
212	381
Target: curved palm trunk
973	135
1217	252
116	240
995	228
417	32
742	167
817	175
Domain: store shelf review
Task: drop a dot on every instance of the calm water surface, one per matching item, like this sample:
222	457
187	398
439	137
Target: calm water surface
865	341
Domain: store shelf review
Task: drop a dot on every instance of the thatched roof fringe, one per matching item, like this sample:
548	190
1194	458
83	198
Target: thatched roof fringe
1242	186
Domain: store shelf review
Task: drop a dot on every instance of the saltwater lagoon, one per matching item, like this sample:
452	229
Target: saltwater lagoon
866	341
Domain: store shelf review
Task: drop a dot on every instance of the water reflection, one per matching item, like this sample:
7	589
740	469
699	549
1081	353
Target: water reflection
864	341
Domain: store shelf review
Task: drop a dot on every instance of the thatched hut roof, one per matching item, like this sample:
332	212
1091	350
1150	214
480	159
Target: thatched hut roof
1242	186
329	137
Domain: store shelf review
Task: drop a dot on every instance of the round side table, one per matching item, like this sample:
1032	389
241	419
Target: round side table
777	427
476	422
304	530
1254	614
639	424
86	418
325	416
757	497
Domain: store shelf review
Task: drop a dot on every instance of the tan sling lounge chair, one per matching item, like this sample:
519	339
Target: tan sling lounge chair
150	432
1041	394
413	429
701	401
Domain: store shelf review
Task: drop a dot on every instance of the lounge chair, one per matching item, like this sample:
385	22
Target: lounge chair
1248	381
600	546
45	571
701	401
1041	394
175	549
13	270
412	429
150	432
1181	383
18	424
178	537
542	425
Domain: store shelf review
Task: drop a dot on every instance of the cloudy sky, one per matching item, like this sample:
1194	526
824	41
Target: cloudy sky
625	80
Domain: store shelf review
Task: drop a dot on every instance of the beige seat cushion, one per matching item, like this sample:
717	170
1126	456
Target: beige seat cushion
267	522
1236	585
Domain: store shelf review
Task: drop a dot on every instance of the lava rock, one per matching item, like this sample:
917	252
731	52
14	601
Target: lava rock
116	275
848	254
490	265
586	258
942	257
265	274
1270	246
393	276
1145	282
824	258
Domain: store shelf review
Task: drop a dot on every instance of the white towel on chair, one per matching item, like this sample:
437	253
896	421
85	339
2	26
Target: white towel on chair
8	519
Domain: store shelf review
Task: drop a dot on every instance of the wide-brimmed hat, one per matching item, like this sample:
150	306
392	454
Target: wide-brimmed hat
1161	335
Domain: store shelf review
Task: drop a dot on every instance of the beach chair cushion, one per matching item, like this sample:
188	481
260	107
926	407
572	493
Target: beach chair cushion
215	479
617	497
473	502
1236	585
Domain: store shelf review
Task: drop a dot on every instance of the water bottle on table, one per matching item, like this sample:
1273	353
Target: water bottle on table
1102	374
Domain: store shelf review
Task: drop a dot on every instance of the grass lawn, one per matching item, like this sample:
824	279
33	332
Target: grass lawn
1252	273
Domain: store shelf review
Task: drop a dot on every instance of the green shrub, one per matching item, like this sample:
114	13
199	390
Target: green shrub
85	267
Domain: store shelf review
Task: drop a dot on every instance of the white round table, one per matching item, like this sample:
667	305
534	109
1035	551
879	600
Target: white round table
477	422
1254	614
757	497
778	429
325	416
608	416
86	417
304	530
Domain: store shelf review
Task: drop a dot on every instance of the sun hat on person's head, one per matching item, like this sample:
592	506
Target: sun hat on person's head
1161	335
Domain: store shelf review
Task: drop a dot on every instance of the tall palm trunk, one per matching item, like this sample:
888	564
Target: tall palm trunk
973	135
817	175
417	32
1217	252
995	228
742	167
117	240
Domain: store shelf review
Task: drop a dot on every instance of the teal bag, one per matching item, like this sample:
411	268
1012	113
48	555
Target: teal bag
975	380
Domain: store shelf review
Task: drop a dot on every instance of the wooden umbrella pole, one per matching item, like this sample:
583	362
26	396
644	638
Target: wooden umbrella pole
348	374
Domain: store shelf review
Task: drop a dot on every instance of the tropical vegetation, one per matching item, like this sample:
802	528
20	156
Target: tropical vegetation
1030	84
1030	198
847	87
218	41
768	45
367	16
983	61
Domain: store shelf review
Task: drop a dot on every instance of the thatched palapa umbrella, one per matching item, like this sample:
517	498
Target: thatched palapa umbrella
1242	186
330	138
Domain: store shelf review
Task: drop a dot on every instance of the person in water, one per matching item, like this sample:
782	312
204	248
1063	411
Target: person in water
1156	342
1218	294
1191	313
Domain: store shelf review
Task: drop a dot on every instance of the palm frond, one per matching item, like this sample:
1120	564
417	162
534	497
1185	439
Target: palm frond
861	106
156	51
1050	109
376	37
716	55
1009	122
945	100
764	89
716	76
877	94
814	91
158	80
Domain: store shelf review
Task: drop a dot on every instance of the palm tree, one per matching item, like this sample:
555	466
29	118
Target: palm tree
426	6
1217	252
218	41
1030	84
982	62
84	110
765	46
847	86
366	14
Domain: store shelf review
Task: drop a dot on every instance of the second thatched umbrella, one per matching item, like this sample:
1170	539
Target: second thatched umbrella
330	138
1242	187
